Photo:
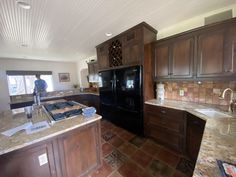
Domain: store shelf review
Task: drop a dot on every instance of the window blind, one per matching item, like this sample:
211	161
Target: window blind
19	72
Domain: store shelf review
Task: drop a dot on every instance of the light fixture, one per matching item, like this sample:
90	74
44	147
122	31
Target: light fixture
108	34
23	5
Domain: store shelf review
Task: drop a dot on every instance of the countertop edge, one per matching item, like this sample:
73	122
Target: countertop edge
51	135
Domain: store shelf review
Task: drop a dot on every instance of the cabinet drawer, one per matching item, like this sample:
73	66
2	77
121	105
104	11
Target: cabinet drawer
172	114
164	136
165	122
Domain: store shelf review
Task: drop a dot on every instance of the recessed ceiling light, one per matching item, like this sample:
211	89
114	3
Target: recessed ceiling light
23	5
108	34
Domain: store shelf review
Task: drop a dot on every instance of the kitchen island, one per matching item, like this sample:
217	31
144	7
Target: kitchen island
69	148
218	141
87	98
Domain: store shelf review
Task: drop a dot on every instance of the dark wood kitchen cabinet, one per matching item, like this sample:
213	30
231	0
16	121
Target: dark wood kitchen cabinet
92	67
174	58
166	126
25	162
72	154
215	53
215	56
204	53
132	46
195	129
162	60
80	151
103	56
125	49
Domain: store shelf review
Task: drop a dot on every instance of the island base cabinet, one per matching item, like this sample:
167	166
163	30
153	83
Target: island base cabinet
30	162
80	151
74	153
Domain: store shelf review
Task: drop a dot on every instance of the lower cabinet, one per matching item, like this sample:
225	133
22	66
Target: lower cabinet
25	162
167	126
72	154
79	151
175	129
195	129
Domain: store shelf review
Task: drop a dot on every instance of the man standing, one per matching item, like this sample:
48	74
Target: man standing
40	86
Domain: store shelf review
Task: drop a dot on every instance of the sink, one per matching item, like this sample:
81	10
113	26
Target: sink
212	113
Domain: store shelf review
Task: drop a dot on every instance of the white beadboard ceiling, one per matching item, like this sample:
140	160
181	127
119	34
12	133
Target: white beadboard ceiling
69	30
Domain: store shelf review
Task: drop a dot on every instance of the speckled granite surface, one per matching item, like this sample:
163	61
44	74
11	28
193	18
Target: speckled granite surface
22	99
21	139
218	142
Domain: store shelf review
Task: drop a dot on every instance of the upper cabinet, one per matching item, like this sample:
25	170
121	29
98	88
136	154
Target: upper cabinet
162	55
204	53
92	67
125	49
215	54
103	56
132	47
174	58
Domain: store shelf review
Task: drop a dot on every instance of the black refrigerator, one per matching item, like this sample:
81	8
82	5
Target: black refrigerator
121	97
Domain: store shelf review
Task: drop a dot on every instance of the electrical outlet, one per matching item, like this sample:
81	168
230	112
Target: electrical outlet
216	91
181	92
43	159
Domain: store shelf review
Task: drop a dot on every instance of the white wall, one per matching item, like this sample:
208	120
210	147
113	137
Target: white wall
34	65
191	23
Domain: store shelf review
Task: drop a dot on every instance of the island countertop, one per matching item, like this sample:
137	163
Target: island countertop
50	95
218	141
21	139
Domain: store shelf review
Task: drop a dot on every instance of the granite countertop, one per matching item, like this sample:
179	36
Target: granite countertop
61	94
219	138
19	140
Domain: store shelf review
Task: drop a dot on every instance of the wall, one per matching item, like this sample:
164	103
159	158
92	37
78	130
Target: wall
207	92
22	64
191	23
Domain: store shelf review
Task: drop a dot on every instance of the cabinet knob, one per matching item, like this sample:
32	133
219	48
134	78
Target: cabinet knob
163	112
228	71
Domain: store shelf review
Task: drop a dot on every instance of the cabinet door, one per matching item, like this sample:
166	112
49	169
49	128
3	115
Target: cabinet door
212	54
132	50
79	151
103	57
25	162
230	60
161	57
182	58
90	69
195	129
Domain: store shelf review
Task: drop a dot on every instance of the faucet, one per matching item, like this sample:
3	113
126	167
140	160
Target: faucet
232	99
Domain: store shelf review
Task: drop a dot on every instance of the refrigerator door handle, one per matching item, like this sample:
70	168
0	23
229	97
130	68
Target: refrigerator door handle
105	104
123	109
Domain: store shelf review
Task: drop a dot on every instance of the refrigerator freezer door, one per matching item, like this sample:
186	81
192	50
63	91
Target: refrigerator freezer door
106	89
128	88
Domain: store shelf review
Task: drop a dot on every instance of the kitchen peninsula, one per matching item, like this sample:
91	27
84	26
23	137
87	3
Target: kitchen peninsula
68	148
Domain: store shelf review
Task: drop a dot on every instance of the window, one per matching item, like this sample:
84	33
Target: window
24	84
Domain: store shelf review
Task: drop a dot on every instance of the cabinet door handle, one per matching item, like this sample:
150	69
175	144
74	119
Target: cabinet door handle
163	112
228	71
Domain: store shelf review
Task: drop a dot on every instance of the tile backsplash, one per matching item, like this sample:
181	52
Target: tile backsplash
205	92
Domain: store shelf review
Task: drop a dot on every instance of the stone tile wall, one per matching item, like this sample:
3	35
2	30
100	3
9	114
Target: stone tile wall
206	92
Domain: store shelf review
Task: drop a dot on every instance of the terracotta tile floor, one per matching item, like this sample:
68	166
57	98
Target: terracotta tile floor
128	155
